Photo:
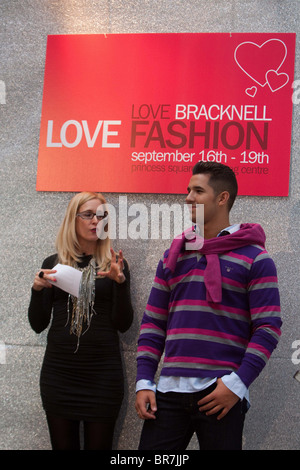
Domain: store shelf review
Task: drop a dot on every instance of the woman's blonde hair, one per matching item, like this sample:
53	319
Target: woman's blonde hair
67	244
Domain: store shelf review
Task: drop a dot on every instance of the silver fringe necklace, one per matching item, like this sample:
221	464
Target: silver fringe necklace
83	305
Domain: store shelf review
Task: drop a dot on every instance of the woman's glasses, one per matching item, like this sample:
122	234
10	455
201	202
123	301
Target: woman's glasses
90	215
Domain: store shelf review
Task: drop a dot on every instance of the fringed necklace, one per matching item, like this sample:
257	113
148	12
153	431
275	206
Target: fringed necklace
83	305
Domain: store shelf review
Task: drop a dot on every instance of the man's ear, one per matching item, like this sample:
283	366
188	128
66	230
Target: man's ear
223	198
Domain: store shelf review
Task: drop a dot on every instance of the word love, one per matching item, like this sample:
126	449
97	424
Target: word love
73	132
145	111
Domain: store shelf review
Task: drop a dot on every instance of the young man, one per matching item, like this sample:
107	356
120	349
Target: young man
214	312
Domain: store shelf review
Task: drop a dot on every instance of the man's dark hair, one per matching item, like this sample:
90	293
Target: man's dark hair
221	178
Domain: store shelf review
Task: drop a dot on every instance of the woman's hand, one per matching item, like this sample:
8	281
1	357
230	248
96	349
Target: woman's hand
116	268
42	278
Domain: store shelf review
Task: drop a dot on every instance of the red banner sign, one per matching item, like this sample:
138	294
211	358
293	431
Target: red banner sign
133	113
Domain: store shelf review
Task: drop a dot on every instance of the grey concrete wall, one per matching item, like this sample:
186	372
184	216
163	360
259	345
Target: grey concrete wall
29	220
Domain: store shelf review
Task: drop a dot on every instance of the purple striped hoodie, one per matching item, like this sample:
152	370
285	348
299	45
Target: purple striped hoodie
198	337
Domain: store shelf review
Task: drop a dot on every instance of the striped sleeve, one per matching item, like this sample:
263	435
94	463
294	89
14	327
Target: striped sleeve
151	341
264	306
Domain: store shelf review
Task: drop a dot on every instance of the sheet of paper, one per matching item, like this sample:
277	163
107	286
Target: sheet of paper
67	279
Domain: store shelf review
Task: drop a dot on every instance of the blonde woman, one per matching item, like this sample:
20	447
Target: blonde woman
82	377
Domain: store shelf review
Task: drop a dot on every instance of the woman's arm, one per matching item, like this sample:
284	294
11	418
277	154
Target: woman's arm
122	311
40	306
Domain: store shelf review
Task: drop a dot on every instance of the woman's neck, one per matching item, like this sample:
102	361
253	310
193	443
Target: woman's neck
87	249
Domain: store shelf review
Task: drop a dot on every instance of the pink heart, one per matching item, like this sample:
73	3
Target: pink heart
251	91
256	61
276	80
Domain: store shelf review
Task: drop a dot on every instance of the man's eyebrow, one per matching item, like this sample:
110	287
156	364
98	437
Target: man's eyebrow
194	187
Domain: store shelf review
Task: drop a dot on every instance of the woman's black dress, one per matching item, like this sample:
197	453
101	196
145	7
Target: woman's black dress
86	384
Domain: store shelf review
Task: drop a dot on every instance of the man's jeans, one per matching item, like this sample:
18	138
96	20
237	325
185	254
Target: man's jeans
178	417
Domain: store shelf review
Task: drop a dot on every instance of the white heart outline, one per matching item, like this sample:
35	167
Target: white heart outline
254	44
248	91
277	73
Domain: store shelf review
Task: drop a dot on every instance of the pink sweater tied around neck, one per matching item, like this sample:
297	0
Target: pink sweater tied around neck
248	234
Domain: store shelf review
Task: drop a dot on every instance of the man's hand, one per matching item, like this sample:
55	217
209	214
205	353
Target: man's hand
145	404
221	398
